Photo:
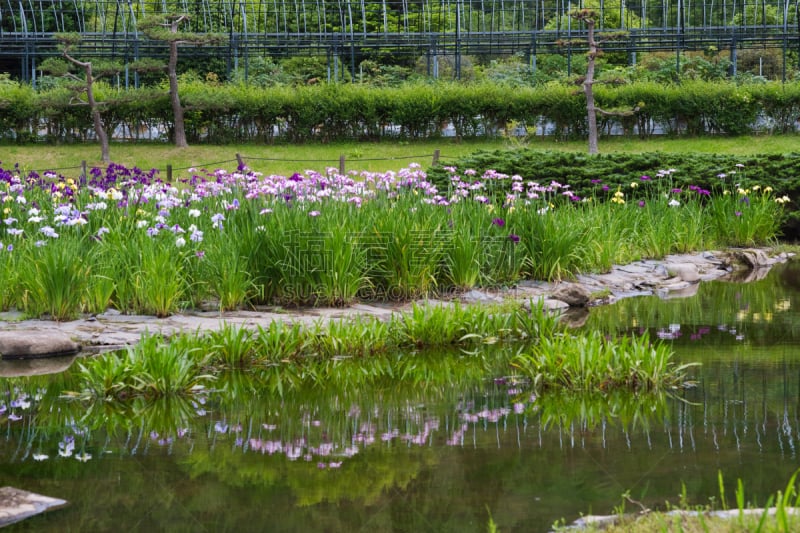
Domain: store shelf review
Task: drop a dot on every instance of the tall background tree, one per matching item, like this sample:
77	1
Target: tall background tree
83	86
167	28
589	17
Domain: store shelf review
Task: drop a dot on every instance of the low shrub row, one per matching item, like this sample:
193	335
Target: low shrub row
231	113
601	176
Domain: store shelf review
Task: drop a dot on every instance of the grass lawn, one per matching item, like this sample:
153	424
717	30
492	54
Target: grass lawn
287	159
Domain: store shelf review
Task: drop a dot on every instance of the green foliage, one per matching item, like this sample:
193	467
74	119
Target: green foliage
343	276
159	284
554	241
355	337
599	176
443	325
225	269
17	109
150	369
594	363
8	278
232	346
412	248
266	109
380	75
56	279
514	71
261	72
282	341
745	217
158	26
54	66
305	69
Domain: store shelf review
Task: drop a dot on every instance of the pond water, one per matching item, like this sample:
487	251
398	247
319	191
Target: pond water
443	450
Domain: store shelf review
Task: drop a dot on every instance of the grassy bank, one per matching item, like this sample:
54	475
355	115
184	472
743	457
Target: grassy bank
126	240
376	157
780	514
547	357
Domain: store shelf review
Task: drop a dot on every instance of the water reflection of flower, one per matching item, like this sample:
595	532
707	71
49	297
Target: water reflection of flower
326	448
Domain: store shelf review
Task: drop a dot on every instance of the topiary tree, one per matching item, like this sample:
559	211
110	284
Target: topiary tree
166	27
587	82
92	71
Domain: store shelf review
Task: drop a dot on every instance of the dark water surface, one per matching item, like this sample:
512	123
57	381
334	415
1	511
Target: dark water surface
437	454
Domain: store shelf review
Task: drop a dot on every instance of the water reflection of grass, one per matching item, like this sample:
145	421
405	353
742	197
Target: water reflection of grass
291	356
588	411
335	394
355	437
758	312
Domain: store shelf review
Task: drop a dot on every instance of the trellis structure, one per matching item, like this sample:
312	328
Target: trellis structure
346	29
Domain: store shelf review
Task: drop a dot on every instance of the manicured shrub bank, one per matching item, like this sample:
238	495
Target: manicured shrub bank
600	176
230	113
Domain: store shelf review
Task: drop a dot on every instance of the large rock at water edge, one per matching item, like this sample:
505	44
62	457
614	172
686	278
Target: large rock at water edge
13	368
685	271
32	344
572	294
752	258
17	504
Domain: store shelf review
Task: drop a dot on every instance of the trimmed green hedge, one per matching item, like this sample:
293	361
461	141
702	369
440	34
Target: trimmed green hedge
231	113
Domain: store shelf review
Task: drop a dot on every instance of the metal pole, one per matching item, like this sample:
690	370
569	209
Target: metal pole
458	40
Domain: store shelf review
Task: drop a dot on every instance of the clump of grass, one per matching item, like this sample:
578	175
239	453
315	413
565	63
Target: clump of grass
8	279
360	336
343	277
454	324
159	284
433	325
412	250
151	369
546	355
593	362
232	346
553	240
745	217
281	341
780	514
55	279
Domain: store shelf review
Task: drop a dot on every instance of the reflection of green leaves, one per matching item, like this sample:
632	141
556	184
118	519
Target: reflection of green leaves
164	416
588	410
357	480
429	372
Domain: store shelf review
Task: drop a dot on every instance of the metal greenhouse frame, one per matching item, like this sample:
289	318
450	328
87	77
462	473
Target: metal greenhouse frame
341	30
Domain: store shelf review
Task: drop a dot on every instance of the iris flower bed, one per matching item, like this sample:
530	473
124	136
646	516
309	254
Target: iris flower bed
123	238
